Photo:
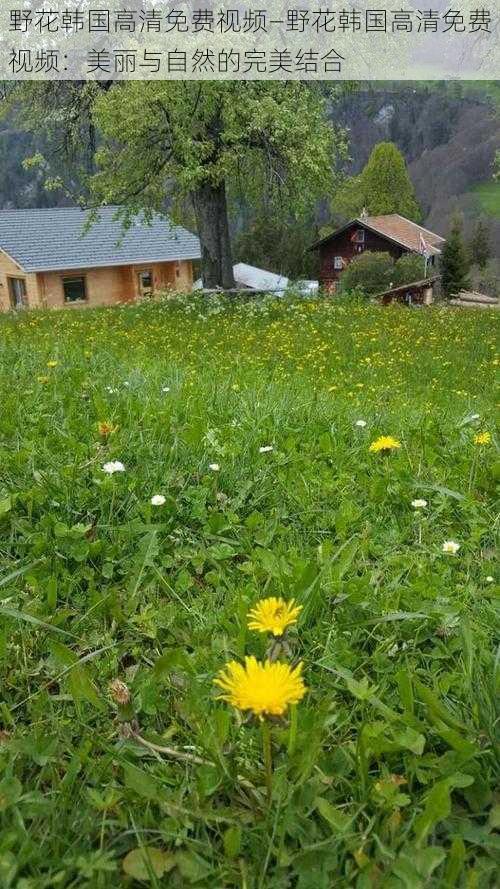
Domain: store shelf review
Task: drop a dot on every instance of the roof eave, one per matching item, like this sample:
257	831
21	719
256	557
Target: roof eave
14	260
29	269
337	231
375	231
424	282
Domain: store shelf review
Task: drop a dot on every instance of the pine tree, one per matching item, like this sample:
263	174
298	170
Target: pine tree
387	185
383	186
479	246
455	261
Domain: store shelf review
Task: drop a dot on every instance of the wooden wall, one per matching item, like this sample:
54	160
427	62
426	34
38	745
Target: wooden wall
9	268
342	245
104	286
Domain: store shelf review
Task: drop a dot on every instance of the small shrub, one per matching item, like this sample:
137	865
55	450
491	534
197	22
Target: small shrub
370	272
408	268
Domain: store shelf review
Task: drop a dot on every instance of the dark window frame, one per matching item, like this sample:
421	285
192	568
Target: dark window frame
67	278
359	236
145	291
24	297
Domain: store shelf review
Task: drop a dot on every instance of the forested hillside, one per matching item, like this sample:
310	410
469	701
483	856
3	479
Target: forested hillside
448	134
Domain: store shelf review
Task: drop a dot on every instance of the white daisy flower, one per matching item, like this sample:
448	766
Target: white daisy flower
158	500
265	449
419	504
360	423
165	389
490	579
113	466
450	546
214	467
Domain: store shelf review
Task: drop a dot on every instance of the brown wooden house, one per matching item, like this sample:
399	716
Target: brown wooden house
388	234
51	258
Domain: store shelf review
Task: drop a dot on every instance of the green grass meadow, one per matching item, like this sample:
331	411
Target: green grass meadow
387	773
488	194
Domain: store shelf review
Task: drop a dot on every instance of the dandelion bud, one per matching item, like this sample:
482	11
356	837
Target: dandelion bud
120	692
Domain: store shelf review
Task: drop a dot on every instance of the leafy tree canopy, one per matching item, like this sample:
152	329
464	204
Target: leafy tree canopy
205	142
192	149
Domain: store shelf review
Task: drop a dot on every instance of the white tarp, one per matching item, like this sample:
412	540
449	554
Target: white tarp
249	277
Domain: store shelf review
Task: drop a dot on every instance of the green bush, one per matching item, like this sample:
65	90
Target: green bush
408	268
371	272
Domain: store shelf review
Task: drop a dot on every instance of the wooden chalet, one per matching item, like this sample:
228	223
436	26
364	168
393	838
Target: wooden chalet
381	234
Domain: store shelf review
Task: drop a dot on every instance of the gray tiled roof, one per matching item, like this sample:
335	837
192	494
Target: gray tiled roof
53	240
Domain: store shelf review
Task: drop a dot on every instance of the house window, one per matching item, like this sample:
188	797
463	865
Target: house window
338	263
359	236
17	292
74	289
146	282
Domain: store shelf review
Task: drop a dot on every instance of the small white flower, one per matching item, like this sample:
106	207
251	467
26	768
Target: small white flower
214	467
165	389
360	423
111	390
265	449
449	546
113	466
158	500
490	579
419	504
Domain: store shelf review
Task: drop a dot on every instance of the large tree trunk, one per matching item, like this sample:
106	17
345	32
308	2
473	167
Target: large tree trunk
213	229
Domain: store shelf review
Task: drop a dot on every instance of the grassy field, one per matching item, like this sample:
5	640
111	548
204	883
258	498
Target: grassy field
384	775
488	194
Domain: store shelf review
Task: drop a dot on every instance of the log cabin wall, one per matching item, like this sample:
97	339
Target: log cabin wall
343	246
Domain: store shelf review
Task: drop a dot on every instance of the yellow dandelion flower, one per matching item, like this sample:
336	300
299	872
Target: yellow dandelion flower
43	379
482	438
384	443
266	689
273	615
52	363
106	429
